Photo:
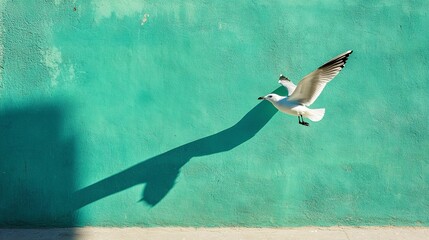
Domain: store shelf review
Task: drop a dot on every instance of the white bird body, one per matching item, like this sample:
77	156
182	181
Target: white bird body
300	97
296	109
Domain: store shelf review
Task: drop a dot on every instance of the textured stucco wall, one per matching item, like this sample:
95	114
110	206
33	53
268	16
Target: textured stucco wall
144	113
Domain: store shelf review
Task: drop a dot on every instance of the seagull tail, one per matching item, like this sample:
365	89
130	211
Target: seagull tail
315	115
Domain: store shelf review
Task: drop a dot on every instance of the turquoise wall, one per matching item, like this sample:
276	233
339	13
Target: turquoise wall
144	113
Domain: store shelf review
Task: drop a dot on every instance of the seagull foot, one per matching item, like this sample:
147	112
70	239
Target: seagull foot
302	122
305	123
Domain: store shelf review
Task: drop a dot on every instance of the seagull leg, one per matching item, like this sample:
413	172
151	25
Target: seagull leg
299	120
302	122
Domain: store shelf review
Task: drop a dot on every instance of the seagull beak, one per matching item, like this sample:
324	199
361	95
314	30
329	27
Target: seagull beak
260	98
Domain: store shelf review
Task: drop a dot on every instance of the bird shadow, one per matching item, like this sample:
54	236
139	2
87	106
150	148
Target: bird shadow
160	172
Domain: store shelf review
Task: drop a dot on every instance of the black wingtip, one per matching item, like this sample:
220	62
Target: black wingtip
283	78
340	58
348	53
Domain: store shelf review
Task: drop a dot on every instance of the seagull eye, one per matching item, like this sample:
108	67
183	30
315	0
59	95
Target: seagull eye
270	96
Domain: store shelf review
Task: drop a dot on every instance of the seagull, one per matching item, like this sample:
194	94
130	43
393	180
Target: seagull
301	96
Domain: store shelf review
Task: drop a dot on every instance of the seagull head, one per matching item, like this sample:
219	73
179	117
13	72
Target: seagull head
272	97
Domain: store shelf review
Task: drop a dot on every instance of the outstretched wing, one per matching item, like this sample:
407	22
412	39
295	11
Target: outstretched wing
288	84
310	87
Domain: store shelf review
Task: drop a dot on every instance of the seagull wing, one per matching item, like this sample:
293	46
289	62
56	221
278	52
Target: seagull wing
288	84
310	87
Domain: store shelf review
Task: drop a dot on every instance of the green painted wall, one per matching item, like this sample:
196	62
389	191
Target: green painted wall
144	113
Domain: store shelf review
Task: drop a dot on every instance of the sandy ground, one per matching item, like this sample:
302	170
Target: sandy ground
331	233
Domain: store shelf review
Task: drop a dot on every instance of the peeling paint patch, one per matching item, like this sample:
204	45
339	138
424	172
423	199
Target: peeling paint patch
220	25
106	8
52	59
72	73
144	19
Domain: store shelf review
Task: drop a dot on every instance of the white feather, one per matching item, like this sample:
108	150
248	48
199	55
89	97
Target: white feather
310	87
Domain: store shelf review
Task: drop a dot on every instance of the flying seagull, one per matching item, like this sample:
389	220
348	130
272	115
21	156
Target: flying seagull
300	97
